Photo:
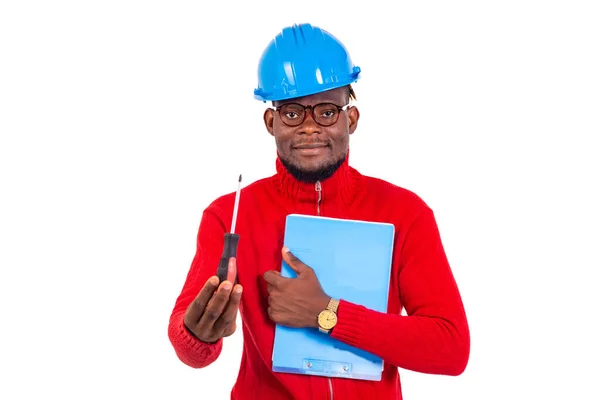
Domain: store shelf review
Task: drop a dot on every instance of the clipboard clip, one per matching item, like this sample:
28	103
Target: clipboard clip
329	367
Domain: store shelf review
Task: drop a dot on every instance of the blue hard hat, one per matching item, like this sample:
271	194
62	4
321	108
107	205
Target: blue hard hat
303	60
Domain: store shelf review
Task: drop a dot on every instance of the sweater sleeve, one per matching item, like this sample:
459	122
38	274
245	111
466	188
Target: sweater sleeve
434	335
189	349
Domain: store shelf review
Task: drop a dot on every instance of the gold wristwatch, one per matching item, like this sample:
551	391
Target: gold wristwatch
328	317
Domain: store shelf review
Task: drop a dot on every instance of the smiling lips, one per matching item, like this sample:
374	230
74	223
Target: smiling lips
311	149
310	146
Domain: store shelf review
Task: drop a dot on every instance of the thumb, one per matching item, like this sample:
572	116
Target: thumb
294	262
232	270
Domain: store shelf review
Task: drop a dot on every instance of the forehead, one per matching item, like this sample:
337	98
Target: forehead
336	96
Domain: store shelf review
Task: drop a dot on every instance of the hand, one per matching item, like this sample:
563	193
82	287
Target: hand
212	315
295	302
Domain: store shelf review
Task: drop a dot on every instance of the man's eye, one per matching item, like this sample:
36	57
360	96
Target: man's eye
291	115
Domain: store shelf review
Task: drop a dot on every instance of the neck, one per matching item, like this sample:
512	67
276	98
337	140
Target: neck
338	186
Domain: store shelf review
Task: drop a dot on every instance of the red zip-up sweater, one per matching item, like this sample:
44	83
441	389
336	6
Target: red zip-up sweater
432	338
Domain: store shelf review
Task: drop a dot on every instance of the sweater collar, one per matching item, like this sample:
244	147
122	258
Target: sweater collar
338	189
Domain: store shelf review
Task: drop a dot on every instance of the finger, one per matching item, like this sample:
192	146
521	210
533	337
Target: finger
232	270
215	307
273	315
196	307
294	262
273	278
230	312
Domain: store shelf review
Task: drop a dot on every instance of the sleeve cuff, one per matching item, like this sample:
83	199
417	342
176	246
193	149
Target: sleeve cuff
350	323
192	350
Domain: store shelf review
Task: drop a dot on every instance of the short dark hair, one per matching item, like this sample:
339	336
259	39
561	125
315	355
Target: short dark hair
351	95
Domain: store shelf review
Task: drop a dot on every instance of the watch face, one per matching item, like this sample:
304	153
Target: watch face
327	319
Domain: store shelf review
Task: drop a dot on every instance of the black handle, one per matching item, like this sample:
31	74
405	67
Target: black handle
229	250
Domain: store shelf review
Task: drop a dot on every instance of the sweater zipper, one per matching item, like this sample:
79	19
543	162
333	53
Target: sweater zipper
319	189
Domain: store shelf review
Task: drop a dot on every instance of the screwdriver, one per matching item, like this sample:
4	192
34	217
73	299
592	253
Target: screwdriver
231	241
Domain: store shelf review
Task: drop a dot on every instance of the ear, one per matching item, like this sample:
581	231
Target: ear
269	118
353	116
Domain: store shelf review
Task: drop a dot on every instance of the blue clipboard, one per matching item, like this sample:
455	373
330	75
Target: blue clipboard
352	260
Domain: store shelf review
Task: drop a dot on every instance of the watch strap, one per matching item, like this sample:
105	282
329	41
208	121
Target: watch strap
333	305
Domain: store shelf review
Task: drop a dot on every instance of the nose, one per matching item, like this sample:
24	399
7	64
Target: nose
309	126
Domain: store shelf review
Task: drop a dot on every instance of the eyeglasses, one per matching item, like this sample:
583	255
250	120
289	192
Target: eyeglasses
324	114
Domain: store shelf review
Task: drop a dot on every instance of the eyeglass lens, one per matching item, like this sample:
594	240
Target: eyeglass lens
325	114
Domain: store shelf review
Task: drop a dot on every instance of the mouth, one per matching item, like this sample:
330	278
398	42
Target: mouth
308	146
311	149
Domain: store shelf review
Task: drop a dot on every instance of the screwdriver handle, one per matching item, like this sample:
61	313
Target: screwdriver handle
229	250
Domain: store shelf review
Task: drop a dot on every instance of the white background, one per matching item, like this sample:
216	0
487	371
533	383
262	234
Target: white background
121	120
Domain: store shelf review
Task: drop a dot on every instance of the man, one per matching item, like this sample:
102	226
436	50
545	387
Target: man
306	73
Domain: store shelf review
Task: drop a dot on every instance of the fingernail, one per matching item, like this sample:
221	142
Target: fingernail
226	286
238	290
285	248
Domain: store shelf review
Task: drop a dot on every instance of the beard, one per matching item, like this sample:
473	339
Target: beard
320	174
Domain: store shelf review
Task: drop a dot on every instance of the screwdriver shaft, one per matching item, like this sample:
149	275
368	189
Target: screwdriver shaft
230	242
236	204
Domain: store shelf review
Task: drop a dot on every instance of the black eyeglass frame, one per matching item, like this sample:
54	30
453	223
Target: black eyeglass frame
311	109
